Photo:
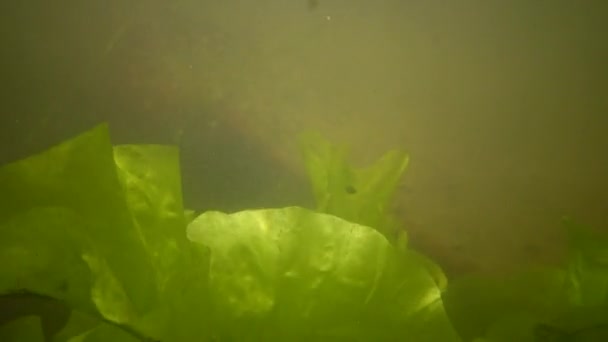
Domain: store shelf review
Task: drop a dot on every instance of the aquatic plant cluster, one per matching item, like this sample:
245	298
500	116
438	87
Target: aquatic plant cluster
99	234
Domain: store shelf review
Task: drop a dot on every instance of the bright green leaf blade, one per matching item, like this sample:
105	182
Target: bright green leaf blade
80	175
314	275
107	292
409	301
150	174
186	313
129	235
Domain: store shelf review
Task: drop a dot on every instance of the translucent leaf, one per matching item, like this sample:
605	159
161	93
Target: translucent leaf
101	228
309	275
80	175
41	251
107	292
150	175
358	195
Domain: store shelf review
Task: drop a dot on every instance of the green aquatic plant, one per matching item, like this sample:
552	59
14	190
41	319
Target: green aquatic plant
361	195
100	231
98	227
96	245
294	274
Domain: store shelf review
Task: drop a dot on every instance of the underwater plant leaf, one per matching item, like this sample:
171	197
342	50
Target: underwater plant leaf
434	270
358	195
113	215
80	175
327	169
183	313
587	265
150	175
288	273
102	229
41	251
23	329
45	253
377	184
409	300
107	292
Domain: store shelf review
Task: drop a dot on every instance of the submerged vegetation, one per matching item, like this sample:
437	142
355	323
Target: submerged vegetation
99	234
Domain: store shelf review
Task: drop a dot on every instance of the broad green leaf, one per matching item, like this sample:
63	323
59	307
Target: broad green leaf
293	273
80	175
41	251
409	301
107	292
183	314
434	269
150	175
101	228
45	254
